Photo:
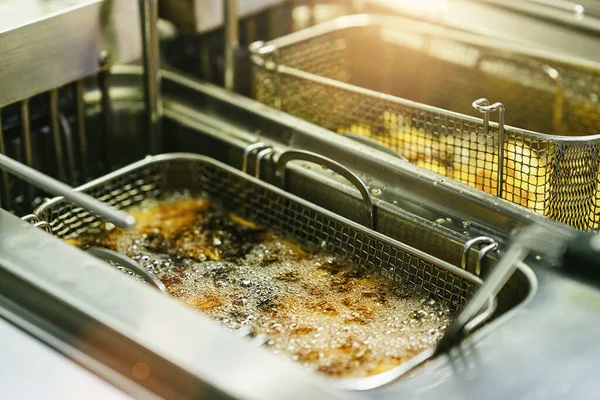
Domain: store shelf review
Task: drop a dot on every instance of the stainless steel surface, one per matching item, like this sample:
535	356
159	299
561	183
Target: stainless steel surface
159	176
325	162
232	41
324	75
124	261
207	15
57	188
151	63
497	20
40	41
561	12
27	360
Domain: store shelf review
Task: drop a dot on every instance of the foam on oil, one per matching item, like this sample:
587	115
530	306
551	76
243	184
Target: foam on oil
314	308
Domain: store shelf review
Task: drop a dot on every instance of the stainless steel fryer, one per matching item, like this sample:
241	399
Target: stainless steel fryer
158	176
324	75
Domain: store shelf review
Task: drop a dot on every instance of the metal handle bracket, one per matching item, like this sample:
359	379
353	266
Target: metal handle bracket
292	155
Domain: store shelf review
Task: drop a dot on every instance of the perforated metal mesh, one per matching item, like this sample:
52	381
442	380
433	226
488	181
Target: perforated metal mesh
258	202
334	79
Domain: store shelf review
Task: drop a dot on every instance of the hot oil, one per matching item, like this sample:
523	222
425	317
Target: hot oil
316	309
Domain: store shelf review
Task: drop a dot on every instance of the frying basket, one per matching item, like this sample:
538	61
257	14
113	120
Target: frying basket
159	176
373	76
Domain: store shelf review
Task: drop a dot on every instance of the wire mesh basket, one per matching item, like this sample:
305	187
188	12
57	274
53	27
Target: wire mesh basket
411	86
160	176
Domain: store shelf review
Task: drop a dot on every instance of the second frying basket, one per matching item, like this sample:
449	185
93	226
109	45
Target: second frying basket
356	75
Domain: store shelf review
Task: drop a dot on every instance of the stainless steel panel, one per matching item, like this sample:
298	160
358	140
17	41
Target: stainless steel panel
44	44
206	15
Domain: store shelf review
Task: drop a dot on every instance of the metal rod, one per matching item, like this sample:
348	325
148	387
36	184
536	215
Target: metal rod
259	158
483	105
68	136
81	133
6	197
107	113
464	262
54	119
58	188
26	145
151	62
249	150
230	16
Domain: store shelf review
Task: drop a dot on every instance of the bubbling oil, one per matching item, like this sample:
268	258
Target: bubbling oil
314	308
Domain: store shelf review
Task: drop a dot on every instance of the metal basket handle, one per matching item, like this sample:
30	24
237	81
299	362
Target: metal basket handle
497	278
109	255
292	155
483	106
491	245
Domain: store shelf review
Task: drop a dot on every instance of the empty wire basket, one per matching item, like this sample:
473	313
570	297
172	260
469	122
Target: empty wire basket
159	176
373	75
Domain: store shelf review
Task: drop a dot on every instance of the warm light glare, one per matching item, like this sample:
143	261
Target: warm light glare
140	370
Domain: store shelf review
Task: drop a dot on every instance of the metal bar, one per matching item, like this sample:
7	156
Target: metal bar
58	188
81	133
5	197
232	43
104	84
70	154
54	120
151	63
26	145
302	155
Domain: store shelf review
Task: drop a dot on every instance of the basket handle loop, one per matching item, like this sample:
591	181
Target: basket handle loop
483	106
491	245
303	155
